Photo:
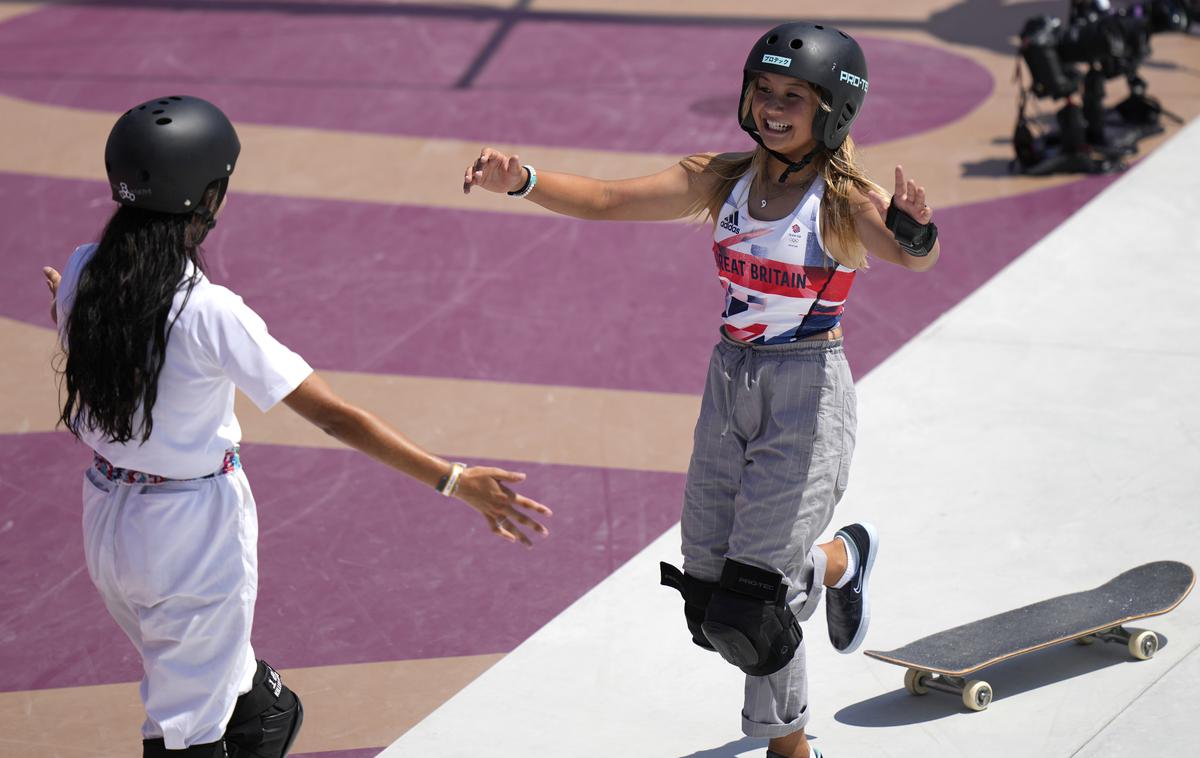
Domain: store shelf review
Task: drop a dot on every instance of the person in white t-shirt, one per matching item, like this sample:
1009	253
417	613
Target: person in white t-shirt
153	354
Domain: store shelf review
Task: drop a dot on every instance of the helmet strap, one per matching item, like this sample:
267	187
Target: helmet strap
208	215
208	221
792	166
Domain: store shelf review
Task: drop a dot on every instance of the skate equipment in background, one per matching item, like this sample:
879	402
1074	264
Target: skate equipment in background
943	660
1097	43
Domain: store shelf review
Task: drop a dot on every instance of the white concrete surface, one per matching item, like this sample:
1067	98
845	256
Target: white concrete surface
1037	439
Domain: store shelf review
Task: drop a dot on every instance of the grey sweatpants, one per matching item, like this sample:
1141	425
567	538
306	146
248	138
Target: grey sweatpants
770	460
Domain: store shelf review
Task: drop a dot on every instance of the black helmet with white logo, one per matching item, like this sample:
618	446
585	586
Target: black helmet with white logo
162	155
820	55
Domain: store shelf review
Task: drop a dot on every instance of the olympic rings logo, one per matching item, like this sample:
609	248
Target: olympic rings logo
125	194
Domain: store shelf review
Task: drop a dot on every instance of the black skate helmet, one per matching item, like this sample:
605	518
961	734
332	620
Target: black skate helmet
818	54
162	155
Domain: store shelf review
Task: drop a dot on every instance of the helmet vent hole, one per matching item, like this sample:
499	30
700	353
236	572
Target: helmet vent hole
797	44
772	39
163	102
163	121
818	26
844	35
176	97
141	107
144	175
160	110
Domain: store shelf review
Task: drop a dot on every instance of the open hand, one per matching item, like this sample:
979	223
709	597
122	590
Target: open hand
909	197
495	171
483	488
53	279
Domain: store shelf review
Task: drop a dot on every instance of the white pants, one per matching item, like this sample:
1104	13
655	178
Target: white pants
177	566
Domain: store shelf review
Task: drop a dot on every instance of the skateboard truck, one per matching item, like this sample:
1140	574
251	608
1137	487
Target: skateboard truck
1142	643
976	694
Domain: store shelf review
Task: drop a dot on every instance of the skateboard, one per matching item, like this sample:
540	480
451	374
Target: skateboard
942	661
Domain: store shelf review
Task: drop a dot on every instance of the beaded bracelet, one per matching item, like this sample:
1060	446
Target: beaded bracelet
449	483
529	183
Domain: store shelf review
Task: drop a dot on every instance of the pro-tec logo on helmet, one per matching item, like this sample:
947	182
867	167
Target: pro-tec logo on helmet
126	194
854	80
777	60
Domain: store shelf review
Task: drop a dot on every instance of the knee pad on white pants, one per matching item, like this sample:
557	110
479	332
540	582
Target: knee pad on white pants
265	720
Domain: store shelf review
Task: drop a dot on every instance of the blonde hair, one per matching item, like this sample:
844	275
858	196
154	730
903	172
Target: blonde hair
839	168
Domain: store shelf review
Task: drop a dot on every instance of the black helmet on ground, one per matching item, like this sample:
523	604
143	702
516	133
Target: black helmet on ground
823	56
162	155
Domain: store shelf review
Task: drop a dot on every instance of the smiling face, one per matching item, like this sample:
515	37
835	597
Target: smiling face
783	109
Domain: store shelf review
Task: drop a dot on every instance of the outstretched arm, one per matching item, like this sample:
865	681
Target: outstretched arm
483	488
669	194
879	240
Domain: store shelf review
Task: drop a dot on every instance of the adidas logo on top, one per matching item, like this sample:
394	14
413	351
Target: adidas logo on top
730	223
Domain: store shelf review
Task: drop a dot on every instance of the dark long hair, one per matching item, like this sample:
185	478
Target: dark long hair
117	328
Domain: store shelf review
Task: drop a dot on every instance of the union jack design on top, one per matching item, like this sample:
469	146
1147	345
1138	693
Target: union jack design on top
780	284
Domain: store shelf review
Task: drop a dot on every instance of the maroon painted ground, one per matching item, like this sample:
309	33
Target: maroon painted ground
374	573
396	73
433	292
357	563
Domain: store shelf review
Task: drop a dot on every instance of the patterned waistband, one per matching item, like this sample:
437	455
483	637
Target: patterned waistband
232	463
812	346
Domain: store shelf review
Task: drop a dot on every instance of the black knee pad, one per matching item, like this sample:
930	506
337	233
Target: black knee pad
157	749
696	595
265	720
748	621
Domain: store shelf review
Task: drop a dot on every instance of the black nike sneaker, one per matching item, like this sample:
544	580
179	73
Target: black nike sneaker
847	611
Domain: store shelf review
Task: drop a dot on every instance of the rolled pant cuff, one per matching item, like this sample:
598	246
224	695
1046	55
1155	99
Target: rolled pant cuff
771	731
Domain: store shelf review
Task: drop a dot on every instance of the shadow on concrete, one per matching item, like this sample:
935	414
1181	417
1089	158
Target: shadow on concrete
1008	679
736	748
730	749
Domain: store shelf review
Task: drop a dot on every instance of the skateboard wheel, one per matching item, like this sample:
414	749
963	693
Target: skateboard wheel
914	682
977	695
1143	645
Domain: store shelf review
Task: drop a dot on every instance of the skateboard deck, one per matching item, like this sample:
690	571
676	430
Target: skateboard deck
940	661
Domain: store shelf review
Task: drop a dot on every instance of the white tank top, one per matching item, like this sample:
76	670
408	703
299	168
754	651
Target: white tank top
780	284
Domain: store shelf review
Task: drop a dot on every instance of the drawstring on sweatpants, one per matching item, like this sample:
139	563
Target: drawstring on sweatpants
744	363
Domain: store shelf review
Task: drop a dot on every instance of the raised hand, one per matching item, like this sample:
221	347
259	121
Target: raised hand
908	197
52	281
483	488
496	172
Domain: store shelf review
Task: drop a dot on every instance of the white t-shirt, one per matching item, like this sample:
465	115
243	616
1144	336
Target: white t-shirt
218	343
